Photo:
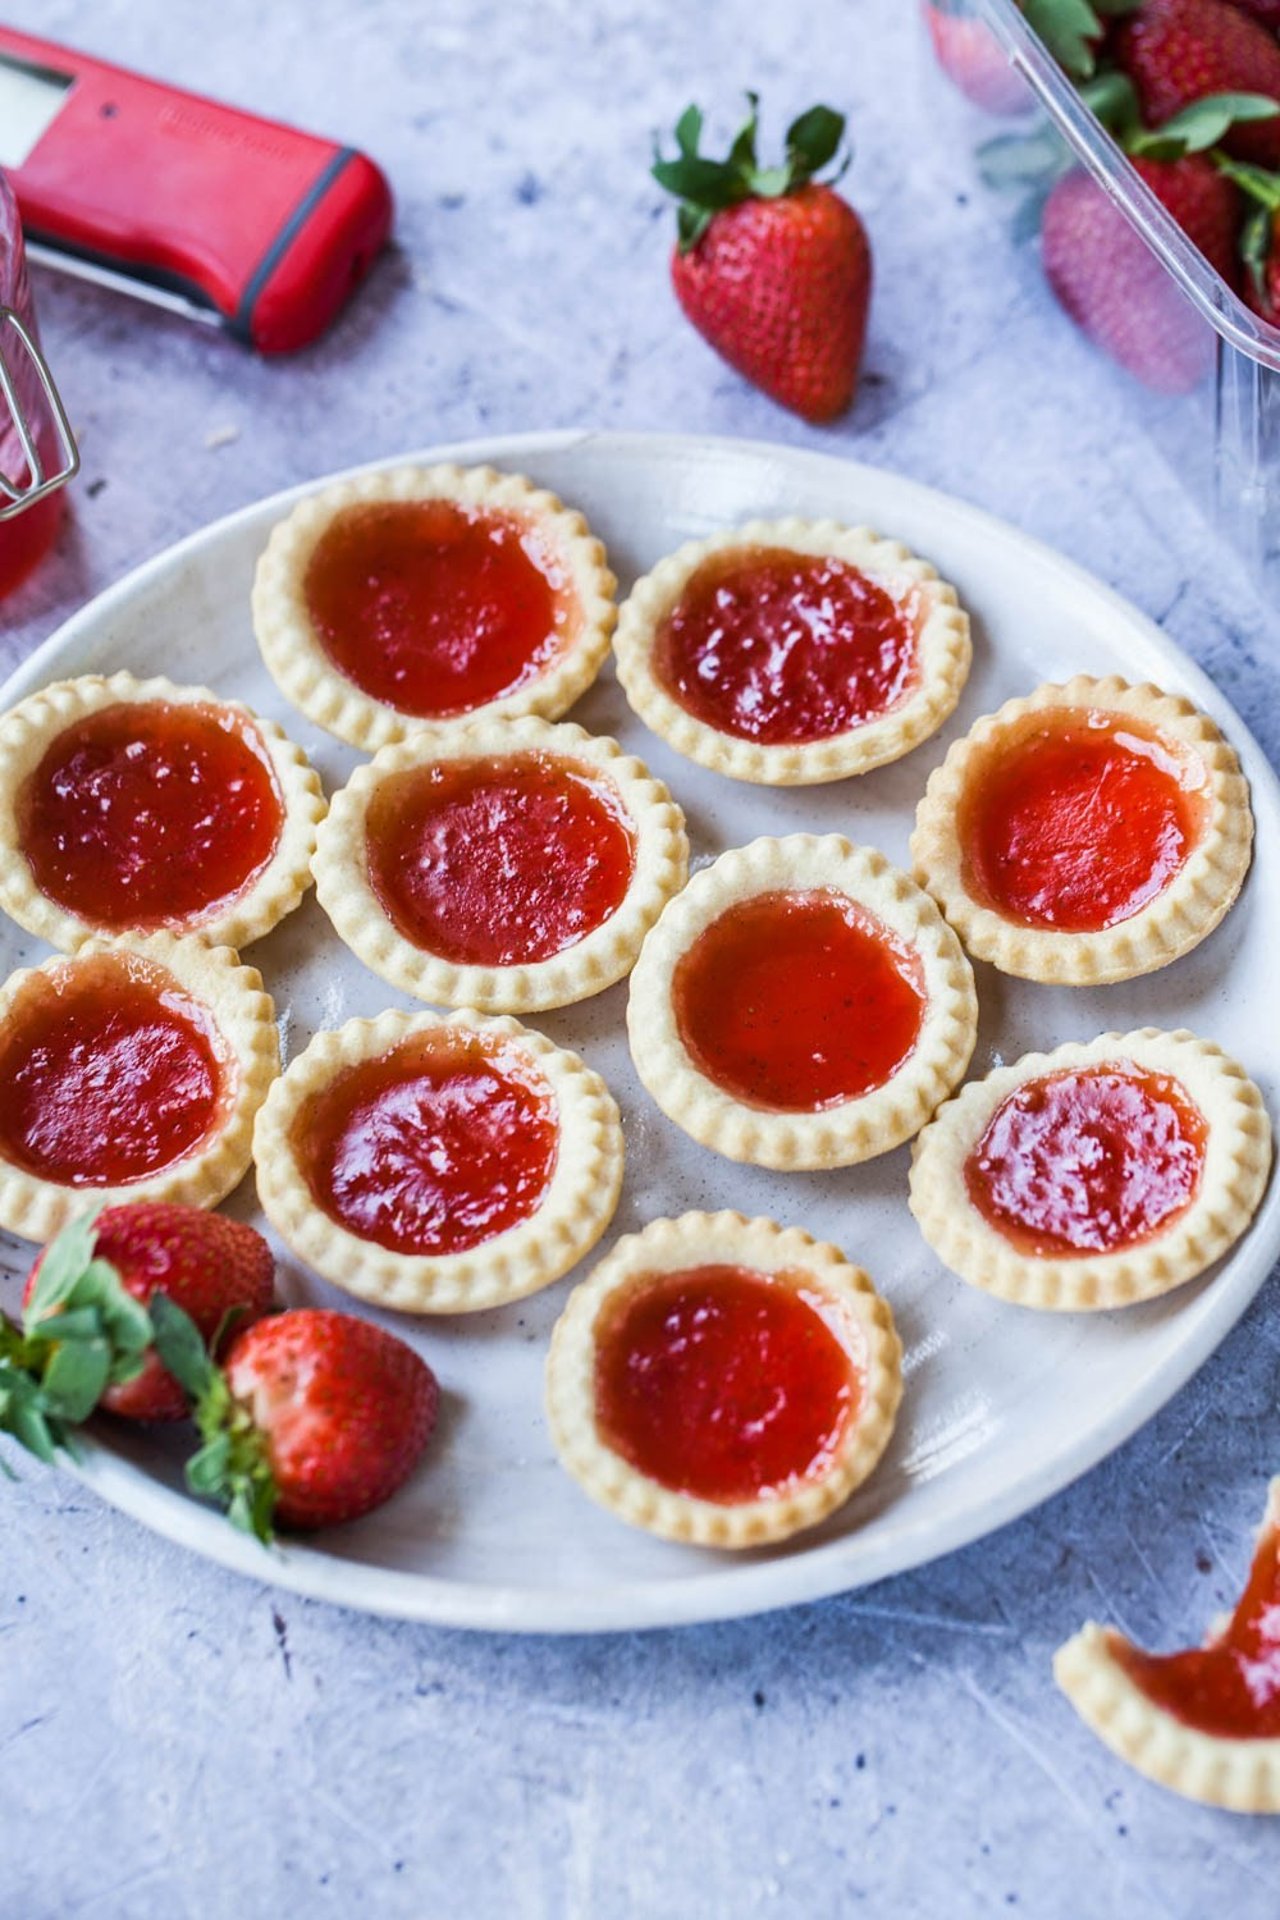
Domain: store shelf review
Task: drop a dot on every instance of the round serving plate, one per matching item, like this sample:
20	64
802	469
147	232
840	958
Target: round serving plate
1002	1406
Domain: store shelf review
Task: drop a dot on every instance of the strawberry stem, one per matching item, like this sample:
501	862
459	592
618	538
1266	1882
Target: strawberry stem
704	187
232	1466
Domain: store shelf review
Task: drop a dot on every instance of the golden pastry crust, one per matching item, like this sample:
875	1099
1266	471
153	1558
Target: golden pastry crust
308	677
1237	1159
604	956
243	1017
859	1128
28	730
857	1315
575	1210
1177	919
944	653
1241	1775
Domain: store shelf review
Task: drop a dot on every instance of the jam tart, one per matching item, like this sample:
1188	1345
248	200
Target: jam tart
790	652
1096	1175
136	807
427	596
723	1381
129	1070
513	865
1204	1722
439	1163
1090	832
801	1004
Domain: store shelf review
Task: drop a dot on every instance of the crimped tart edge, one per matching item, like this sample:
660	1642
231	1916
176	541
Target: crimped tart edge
697	1239
308	678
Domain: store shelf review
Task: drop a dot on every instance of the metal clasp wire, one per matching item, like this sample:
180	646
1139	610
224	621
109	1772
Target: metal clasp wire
15	499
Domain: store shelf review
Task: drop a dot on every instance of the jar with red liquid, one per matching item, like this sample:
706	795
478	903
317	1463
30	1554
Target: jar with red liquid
37	451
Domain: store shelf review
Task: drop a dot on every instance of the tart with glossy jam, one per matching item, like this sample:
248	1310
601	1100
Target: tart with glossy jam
723	1381
514	865
439	1163
790	652
1205	1721
426	596
1096	1175
801	1004
136	807
1090	832
129	1071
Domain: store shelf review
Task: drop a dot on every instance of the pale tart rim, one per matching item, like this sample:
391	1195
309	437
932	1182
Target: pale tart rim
29	729
1236	1166
944	654
1217	1770
701	1239
575	1211
36	1208
604	956
860	1128
308	678
1187	910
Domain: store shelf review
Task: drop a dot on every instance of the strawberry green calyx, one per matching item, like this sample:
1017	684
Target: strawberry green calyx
232	1466
1262	189
1200	127
1072	29
704	186
81	1333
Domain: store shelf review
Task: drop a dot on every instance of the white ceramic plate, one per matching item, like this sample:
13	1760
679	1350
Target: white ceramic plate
1002	1407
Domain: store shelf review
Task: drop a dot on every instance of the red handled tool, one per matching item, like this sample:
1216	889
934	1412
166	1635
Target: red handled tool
230	219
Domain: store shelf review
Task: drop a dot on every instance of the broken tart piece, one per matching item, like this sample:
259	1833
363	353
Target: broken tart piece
790	652
1096	1175
801	1004
515	865
1204	1722
136	806
1089	832
426	596
439	1164
129	1071
723	1381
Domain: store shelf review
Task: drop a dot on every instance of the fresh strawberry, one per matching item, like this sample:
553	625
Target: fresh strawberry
772	268
217	1269
1259	236
1114	287
314	1417
1176	51
973	59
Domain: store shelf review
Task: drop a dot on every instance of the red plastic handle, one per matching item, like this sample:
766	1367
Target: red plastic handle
270	227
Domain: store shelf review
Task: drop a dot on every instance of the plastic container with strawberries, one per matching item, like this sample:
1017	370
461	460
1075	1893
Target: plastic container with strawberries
1201	365
37	451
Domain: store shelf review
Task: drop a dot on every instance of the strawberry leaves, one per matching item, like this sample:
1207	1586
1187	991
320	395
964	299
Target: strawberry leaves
81	1332
705	187
232	1466
1202	125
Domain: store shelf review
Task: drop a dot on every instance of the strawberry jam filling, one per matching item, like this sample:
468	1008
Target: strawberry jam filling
723	1383
1230	1688
1088	1161
784	648
434	607
150	814
798	1001
498	863
433	1147
109	1073
1081	823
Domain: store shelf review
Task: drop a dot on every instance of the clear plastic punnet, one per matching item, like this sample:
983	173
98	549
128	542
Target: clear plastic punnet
1211	398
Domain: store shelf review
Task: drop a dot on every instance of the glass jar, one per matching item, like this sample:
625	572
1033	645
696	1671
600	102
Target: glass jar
37	451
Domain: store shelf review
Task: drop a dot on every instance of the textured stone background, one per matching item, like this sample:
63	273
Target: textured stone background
175	1741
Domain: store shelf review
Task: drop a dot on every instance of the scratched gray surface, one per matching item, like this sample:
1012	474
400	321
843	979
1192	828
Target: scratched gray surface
177	1741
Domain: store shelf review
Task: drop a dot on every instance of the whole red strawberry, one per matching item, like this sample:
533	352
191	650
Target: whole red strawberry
314	1417
973	59
211	1266
1114	287
1176	51
773	268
